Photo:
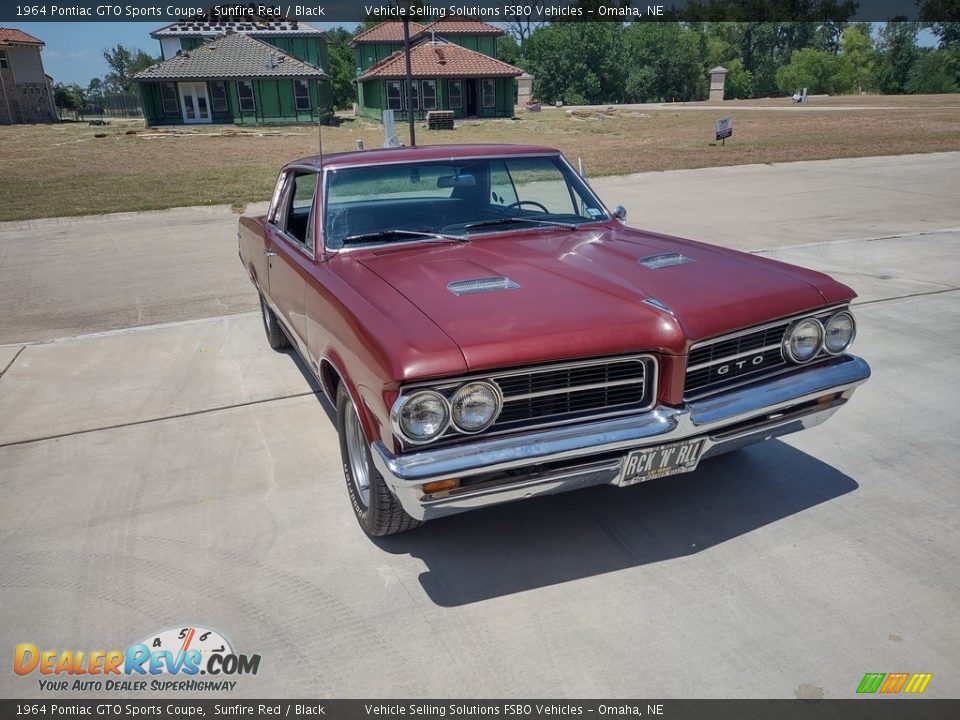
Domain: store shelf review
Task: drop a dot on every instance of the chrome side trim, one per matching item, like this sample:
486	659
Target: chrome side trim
764	410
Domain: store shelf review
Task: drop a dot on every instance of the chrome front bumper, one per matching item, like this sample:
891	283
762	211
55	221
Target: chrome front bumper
592	453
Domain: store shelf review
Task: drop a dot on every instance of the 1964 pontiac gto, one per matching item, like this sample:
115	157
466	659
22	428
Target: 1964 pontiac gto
489	331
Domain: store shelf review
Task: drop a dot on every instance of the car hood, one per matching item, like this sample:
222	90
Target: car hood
584	292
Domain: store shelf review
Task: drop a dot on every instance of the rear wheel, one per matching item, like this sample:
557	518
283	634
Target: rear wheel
275	336
376	509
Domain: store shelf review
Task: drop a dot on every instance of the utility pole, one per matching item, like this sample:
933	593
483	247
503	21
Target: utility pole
406	52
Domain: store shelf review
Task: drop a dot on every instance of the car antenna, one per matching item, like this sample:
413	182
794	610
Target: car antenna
319	125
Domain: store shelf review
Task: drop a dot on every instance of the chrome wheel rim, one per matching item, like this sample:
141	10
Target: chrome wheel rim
357	452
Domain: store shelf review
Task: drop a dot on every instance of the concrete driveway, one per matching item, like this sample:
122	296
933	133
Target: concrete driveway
185	474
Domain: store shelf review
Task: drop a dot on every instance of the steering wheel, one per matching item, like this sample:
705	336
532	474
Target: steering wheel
519	203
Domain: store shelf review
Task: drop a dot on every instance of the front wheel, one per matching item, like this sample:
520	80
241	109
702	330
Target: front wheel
275	336
375	508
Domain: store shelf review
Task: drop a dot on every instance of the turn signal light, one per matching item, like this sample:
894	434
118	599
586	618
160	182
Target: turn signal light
440	485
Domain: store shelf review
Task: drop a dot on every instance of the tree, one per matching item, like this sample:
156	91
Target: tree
898	52
124	64
665	63
860	56
341	69
579	63
817	70
739	82
508	50
523	29
933	72
68	97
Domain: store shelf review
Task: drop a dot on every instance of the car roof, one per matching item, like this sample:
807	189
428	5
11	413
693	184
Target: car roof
381	156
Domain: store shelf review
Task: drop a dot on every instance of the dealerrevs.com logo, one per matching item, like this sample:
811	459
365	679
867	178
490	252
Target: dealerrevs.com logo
170	660
894	683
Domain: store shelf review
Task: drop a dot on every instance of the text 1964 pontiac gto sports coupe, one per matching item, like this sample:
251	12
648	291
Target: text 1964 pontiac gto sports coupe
489	331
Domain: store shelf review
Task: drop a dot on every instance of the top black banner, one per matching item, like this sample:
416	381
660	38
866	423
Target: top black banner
492	11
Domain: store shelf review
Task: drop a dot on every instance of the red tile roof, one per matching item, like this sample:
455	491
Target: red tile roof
12	35
463	27
386	32
441	59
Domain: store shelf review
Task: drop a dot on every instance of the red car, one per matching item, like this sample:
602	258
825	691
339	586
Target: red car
489	330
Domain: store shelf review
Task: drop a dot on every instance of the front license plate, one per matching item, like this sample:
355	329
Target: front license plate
649	463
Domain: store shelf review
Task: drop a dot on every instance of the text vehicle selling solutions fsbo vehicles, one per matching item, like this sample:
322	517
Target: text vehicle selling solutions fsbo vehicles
489	330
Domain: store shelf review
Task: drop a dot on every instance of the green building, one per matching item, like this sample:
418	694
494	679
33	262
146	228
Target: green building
453	66
237	70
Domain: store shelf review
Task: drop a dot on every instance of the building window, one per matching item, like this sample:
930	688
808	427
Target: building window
455	88
415	95
301	93
395	95
428	94
245	93
4	63
168	98
489	93
218	94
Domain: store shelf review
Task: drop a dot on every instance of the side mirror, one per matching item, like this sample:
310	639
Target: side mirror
620	213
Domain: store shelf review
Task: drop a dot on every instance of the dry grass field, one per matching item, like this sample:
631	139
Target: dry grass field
75	169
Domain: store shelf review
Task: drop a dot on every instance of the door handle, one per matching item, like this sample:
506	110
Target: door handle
269	253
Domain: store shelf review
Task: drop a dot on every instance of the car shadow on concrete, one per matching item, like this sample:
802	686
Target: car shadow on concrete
555	539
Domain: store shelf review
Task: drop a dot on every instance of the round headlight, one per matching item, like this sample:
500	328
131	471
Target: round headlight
475	406
423	415
803	340
839	332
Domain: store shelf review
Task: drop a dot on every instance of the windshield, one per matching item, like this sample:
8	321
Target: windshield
402	202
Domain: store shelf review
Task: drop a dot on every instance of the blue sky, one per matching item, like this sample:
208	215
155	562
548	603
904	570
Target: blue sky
74	50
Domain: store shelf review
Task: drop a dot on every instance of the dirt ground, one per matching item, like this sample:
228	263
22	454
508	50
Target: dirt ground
76	169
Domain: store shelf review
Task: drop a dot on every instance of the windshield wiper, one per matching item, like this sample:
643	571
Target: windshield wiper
511	220
386	234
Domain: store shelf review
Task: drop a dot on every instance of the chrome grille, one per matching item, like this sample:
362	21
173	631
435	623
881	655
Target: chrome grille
727	361
574	391
738	358
562	392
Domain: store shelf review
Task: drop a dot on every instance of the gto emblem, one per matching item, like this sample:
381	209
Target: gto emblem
739	364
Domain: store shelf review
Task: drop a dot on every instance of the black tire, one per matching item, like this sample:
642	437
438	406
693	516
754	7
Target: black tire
275	335
377	511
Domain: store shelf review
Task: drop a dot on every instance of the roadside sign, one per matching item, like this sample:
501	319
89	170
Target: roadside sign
724	127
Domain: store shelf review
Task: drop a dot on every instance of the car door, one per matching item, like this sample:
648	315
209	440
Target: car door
293	244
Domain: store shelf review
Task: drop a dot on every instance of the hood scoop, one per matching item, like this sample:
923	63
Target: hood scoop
481	285
655	262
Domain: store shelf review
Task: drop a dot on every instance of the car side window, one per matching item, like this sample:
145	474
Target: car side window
296	216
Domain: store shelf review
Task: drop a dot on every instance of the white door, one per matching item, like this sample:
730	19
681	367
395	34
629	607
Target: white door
195	103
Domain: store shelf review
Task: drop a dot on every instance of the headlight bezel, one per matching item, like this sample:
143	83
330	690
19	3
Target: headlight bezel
498	405
853	332
403	401
446	392
786	344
